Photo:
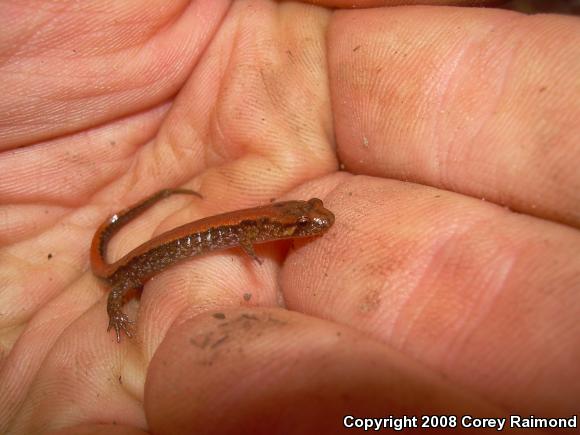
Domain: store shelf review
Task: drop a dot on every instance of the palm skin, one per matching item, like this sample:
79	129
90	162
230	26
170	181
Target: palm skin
443	139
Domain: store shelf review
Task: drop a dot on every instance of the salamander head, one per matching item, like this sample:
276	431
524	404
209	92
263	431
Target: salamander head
309	218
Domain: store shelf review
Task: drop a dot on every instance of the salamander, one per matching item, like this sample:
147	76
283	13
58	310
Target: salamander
241	228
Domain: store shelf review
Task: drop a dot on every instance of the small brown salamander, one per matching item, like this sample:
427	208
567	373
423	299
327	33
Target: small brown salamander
243	228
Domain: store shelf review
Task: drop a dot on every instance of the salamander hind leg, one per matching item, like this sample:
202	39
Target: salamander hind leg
117	318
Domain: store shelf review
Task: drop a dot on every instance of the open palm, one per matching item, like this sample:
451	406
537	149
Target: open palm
445	141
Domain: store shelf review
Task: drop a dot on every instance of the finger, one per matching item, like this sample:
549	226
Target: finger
85	67
273	370
355	4
486	297
482	102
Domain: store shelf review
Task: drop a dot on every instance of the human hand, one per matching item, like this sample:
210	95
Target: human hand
422	299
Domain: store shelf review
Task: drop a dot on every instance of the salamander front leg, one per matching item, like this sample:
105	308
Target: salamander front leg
118	319
249	249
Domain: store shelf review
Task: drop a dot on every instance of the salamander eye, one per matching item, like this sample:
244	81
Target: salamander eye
303	220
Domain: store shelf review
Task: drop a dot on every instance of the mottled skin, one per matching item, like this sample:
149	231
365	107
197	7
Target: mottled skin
243	228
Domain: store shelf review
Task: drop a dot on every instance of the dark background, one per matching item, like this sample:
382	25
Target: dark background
535	6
